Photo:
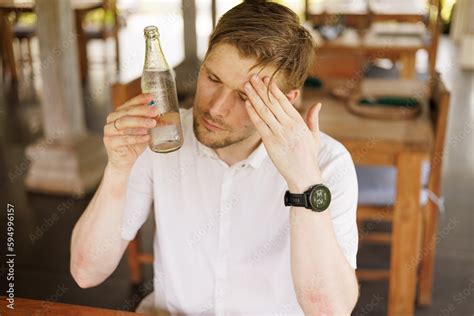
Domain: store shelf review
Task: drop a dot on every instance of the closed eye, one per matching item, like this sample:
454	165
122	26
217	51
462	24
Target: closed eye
212	79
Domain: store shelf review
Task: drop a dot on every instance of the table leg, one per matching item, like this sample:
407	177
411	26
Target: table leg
430	225
7	44
408	60
81	45
406	236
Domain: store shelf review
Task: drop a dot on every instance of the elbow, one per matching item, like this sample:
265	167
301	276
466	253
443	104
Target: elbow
352	299
81	280
317	303
82	275
349	300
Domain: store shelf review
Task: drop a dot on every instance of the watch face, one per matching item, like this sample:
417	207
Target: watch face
320	197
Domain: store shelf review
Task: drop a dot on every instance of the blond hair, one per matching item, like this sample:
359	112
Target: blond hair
272	34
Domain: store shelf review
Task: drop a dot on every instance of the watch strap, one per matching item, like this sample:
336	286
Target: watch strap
294	199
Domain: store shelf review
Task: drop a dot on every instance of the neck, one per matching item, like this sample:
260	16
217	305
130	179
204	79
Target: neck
239	151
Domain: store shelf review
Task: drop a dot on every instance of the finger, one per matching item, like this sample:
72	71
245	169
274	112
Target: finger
260	125
117	141
263	111
110	130
274	104
143	98
312	117
284	102
139	110
133	122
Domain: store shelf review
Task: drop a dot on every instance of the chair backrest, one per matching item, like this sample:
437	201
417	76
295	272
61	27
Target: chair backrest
121	92
439	109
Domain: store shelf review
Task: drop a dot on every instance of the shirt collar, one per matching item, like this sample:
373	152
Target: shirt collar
255	159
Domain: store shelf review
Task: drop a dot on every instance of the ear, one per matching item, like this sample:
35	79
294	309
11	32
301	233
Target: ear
292	95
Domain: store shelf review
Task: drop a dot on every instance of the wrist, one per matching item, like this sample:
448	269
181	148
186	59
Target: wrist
115	182
113	172
301	185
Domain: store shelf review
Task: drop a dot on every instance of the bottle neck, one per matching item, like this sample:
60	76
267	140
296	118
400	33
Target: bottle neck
154	57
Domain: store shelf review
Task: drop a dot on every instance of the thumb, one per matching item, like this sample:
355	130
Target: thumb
312	118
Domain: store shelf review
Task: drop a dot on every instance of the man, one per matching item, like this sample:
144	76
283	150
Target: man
225	241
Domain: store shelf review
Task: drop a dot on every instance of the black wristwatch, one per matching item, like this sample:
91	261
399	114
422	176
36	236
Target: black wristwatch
316	198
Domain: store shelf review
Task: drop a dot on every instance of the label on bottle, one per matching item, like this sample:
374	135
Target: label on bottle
161	84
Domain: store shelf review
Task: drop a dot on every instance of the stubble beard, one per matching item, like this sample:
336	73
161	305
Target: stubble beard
205	137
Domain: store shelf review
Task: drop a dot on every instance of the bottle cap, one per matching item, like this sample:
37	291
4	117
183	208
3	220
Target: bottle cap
151	31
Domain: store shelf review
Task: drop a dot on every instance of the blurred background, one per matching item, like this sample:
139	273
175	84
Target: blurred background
396	80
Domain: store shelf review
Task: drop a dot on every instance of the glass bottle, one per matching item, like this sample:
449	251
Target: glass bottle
158	79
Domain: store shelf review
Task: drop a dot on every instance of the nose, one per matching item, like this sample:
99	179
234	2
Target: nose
221	103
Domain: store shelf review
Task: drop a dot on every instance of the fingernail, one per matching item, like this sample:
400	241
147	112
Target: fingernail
266	80
247	86
150	122
255	78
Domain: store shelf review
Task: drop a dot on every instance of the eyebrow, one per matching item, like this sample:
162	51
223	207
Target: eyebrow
209	71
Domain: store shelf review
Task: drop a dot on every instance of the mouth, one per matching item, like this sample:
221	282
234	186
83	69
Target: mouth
211	126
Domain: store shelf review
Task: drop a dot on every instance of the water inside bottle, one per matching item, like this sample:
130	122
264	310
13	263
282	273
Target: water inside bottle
166	136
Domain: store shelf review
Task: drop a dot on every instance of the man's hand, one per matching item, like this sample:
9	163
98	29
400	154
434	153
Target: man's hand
292	144
126	132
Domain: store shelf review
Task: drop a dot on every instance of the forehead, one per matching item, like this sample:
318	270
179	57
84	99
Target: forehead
233	69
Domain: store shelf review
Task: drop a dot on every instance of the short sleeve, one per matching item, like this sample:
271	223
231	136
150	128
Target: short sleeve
338	173
139	196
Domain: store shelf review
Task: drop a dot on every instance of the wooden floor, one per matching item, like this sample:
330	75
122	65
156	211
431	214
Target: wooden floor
43	223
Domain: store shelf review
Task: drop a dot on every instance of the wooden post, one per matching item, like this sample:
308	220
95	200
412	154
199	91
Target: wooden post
406	236
187	71
67	159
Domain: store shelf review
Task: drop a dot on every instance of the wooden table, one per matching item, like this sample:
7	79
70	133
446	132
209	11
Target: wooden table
80	7
360	15
402	11
372	46
355	12
404	144
368	10
27	307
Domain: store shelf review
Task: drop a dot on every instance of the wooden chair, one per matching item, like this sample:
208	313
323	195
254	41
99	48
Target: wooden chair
105	30
384	180
121	92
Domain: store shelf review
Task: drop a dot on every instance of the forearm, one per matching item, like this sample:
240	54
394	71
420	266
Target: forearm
96	244
324	281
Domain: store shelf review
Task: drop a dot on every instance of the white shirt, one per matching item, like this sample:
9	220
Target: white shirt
222	244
